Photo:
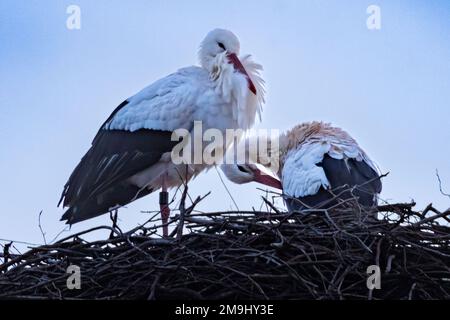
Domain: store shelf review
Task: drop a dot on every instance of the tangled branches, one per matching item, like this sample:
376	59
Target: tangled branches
249	255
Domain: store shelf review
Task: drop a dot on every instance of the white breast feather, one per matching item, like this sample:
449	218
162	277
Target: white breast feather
254	103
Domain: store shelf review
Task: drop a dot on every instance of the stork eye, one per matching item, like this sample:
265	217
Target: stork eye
243	169
220	44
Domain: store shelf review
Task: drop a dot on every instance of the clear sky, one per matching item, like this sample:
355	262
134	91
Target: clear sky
389	88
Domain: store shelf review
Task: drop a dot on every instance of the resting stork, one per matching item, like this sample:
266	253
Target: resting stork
318	165
130	156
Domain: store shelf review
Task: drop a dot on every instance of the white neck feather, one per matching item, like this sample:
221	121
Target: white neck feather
233	87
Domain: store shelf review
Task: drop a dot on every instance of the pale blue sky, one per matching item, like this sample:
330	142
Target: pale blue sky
389	88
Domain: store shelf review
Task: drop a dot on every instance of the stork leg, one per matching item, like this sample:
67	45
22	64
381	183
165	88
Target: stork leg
164	208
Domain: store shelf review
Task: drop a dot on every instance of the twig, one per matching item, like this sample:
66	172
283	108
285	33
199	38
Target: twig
40	227
440	185
182	213
226	188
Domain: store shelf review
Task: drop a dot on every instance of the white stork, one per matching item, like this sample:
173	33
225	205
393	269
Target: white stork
316	162
130	156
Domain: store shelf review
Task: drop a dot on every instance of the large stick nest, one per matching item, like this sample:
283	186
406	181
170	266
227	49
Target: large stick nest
248	255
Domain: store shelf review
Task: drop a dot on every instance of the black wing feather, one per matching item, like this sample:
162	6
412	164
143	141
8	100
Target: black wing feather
99	180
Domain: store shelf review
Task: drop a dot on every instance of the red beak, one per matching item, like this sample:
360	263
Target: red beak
234	60
267	180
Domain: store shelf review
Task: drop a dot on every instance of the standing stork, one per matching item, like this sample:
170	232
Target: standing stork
318	164
130	156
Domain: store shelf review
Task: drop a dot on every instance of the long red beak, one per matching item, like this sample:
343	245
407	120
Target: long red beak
234	60
267	180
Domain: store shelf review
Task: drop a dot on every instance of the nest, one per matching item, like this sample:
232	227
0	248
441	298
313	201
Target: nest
320	254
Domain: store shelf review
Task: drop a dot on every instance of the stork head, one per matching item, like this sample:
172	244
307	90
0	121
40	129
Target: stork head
245	173
221	47
218	42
